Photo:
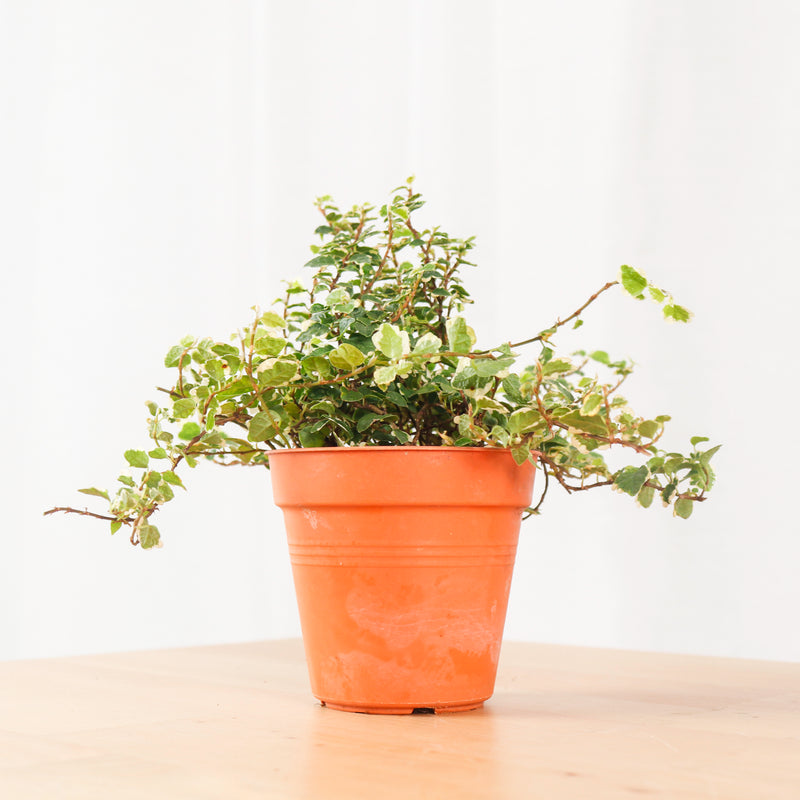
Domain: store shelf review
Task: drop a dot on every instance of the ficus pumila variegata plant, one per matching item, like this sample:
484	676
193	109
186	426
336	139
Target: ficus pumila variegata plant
374	350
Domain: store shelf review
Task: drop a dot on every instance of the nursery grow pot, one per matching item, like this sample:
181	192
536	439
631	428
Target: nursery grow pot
402	560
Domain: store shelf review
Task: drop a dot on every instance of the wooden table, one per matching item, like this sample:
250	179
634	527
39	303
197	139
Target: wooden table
238	721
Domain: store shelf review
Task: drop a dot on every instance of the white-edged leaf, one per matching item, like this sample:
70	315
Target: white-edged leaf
633	282
631	479
346	357
428	343
391	341
460	337
383	376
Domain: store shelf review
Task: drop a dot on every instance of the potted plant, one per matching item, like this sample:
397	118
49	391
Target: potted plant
402	454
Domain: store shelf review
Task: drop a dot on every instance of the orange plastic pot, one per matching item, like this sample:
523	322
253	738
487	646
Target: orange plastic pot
402	560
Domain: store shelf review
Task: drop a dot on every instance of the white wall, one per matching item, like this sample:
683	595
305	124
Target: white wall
159	162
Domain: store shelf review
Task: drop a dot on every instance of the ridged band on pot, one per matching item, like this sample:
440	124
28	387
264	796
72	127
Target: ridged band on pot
402	560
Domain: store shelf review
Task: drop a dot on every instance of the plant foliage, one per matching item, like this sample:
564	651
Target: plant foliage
374	350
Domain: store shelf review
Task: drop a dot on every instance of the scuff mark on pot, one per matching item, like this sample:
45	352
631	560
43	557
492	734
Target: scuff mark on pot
466	629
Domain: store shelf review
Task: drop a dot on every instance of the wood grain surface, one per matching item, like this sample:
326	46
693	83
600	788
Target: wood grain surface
238	721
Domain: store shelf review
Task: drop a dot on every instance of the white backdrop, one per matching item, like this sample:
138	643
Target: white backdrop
159	163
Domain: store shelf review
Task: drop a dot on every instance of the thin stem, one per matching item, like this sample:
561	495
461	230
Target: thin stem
546	334
85	513
535	509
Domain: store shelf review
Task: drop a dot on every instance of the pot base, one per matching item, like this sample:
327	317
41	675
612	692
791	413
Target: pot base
444	709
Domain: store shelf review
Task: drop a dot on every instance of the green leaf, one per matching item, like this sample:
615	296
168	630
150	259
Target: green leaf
225	350
487	367
564	389
235	389
512	389
149	536
272	320
522	420
705	456
320	261
459	339
521	453
170	477
153	479
428	343
684	508
556	366
310	437
137	458
346	357
632	282
115	526
391	341
657	294
695	440
165	492
679	314
261	427
601	356
383	376
338	297
215	370
189	431
668	491
591	405
183	408
648	428
278	373
631	479
317	365
323	407
173	356
500	435
594	425
317	329
645	496
489	403
127	480
95	492
702	476
673	463
233	363
158	452
152	407
269	346
404	368
400	211
397	398
367	420
213	438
